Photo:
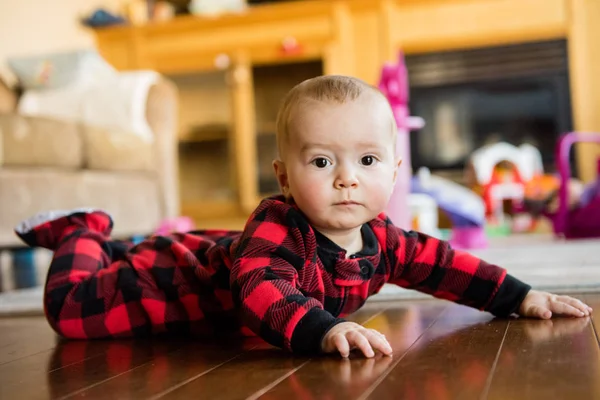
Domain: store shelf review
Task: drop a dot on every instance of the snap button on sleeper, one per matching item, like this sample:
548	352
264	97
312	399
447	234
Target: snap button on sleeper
366	269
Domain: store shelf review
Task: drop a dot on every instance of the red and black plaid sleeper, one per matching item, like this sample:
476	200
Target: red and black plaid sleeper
280	278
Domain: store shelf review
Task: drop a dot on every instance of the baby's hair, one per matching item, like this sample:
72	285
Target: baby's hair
337	89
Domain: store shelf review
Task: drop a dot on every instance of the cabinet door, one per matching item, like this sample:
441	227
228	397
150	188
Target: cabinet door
271	83
216	146
205	171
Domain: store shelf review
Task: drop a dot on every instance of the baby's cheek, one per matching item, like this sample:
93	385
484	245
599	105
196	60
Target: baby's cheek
311	197
311	191
382	188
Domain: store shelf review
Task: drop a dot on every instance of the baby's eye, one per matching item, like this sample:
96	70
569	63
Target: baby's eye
367	160
320	162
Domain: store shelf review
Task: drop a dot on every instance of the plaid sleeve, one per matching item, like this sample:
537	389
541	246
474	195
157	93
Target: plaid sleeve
431	266
275	246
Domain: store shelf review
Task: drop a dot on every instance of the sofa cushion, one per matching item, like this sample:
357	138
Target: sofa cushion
36	141
115	150
132	198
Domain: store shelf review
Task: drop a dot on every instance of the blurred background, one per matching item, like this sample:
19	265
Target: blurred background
163	112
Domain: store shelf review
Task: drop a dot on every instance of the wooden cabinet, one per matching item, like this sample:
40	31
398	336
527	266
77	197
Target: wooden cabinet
465	24
233	70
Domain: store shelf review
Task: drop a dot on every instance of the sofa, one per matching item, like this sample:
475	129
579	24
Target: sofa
48	163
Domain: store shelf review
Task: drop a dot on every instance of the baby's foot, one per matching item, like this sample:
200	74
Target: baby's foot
46	229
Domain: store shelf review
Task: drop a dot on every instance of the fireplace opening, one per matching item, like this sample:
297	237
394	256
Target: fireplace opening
516	94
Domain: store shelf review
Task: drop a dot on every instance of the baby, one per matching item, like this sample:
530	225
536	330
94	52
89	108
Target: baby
304	260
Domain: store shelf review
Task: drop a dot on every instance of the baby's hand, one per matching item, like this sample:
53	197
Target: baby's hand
348	335
543	305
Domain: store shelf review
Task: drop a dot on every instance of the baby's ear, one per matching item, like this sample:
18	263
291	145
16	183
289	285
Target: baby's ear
281	175
398	162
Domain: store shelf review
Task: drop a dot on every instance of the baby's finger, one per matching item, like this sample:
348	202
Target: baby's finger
341	344
379	342
538	312
562	308
357	339
578	304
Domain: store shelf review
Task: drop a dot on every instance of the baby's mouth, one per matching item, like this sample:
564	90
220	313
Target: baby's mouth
347	203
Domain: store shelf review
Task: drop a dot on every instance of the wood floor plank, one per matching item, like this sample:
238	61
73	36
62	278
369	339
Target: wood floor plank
240	377
257	369
170	370
22	337
590	299
30	377
541	359
452	359
117	357
593	300
120	358
333	377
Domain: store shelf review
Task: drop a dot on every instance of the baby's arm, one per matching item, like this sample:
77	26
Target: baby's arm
432	266
424	263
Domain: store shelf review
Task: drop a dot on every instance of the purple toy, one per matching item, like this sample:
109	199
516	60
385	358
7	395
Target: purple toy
394	85
584	221
464	208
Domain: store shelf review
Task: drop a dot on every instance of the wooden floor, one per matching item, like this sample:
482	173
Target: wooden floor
441	351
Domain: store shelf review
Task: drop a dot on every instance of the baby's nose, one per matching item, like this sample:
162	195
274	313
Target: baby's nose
346	179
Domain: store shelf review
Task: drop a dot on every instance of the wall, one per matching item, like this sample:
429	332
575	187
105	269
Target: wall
29	27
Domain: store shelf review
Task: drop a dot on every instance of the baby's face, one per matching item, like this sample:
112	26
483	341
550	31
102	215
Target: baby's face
340	162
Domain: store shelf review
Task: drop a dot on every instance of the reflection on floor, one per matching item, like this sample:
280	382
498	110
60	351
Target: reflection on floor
441	351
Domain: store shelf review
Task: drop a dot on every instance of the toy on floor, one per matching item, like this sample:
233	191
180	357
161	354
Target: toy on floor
424	214
540	196
501	171
394	85
463	206
168	226
178	224
582	219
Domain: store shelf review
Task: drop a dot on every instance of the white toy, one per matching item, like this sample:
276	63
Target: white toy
424	213
500	184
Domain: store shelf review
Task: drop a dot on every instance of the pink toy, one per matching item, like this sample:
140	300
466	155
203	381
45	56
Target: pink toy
179	224
468	237
394	85
584	221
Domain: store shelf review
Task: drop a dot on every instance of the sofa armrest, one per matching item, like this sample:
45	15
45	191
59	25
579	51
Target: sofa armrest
118	104
8	98
162	114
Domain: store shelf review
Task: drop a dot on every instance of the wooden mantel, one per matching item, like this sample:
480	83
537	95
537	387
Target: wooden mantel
357	37
190	43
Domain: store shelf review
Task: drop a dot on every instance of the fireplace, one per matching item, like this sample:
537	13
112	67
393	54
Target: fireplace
517	93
